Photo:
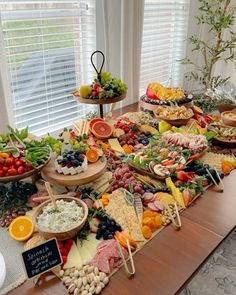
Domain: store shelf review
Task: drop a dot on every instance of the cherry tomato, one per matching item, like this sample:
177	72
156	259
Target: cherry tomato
27	166
12	171
9	162
5	168
2	160
20	170
2	173
18	163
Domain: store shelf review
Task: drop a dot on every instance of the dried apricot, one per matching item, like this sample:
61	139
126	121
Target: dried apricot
157	221
149	213
146	220
146	231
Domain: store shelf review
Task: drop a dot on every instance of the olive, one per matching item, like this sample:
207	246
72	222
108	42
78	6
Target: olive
2	223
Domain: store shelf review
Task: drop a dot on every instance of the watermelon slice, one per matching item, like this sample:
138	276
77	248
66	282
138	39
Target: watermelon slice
93	121
102	130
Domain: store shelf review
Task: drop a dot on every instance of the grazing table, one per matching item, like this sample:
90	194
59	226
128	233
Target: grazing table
169	260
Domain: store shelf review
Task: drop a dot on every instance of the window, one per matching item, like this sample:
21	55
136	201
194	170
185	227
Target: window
48	46
164	32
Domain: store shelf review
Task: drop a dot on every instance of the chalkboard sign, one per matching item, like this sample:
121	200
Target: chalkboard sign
41	258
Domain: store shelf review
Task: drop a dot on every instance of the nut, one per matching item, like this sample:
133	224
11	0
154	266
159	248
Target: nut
68	282
98	289
102	285
76	291
67	272
71	288
102	276
84	292
93	284
86	267
82	273
84	280
96	279
106	280
96	271
90	269
92	289
76	273
61	273
79	283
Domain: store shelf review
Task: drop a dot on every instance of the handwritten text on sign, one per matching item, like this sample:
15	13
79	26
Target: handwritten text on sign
41	258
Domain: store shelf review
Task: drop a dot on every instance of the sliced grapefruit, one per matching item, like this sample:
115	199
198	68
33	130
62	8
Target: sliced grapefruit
21	228
102	130
93	121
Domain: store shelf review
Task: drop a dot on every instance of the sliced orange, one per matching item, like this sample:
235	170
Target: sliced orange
92	155
21	228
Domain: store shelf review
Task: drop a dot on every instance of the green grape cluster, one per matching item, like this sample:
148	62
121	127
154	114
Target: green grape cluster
105	78
119	85
110	86
54	143
80	146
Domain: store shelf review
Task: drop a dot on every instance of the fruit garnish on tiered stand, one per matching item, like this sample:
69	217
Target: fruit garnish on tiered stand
158	94
105	89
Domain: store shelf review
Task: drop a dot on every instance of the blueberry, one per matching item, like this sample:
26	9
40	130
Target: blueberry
75	163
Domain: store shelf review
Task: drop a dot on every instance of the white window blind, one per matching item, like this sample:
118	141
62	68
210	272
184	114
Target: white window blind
48	46
164	32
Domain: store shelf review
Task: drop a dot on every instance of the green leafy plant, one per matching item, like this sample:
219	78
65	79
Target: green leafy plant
218	16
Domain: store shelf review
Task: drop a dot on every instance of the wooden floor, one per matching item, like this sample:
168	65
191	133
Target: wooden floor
169	260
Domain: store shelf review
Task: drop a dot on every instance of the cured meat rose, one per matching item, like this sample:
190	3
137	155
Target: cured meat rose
108	256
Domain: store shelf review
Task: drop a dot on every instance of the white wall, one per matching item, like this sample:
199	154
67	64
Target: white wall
221	68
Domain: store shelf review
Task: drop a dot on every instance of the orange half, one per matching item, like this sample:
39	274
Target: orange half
21	228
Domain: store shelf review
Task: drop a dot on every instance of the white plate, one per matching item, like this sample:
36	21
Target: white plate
2	270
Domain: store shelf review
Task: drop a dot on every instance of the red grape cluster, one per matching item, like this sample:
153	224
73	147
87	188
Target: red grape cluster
125	179
129	138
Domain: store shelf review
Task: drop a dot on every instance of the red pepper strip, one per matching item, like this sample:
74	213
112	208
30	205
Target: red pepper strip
185	176
150	93
167	162
194	156
64	248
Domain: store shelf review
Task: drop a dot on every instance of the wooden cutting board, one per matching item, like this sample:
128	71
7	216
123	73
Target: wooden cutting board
93	172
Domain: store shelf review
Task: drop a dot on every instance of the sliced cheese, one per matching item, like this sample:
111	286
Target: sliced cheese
115	145
84	251
74	258
92	239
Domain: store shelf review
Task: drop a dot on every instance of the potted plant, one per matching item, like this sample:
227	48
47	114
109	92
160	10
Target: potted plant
218	18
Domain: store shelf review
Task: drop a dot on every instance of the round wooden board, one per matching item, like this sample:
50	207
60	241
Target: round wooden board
93	172
100	101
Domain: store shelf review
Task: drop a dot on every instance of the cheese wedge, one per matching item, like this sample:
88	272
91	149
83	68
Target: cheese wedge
74	258
115	145
84	252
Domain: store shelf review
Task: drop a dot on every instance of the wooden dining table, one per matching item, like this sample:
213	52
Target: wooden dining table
168	261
